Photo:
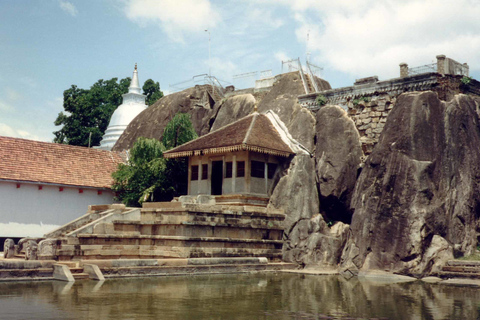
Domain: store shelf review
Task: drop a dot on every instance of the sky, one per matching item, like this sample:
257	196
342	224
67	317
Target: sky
47	46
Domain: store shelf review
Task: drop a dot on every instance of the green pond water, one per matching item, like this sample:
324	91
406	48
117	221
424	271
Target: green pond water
272	296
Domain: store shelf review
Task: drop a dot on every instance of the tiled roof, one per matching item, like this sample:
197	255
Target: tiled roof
44	162
254	132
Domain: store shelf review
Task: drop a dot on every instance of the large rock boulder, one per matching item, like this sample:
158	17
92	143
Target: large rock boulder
283	100
296	192
8	249
338	154
151	122
232	109
417	197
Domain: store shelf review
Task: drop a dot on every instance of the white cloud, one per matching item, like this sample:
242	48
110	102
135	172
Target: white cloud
12	94
68	7
5	107
6	130
176	18
223	67
369	37
281	56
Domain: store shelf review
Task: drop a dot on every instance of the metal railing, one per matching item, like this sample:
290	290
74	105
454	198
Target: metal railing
312	76
201	79
302	75
422	69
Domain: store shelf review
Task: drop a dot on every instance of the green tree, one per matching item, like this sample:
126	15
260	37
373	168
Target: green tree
135	181
148	176
178	131
88	111
152	90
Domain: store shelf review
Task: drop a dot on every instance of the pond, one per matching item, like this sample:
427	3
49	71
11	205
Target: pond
272	296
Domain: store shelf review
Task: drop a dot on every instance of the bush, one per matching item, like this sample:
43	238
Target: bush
321	100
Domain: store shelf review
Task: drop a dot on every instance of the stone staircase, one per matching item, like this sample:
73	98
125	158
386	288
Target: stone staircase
460	269
94	214
21	270
176	230
78	273
309	84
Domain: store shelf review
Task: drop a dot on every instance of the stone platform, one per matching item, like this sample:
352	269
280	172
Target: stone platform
21	270
175	230
203	234
460	269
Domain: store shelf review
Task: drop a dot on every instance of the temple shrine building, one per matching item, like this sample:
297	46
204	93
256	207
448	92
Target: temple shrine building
243	157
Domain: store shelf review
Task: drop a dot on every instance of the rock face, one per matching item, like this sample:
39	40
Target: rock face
233	109
296	193
31	251
338	154
151	122
8	249
283	100
47	249
417	197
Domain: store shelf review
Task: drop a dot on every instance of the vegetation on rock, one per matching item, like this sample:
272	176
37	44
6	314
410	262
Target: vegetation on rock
152	90
88	111
148	176
321	100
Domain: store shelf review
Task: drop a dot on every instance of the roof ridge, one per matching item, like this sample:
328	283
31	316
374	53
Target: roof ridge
207	134
58	145
247	135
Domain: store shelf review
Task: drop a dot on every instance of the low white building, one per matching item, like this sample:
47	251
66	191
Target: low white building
133	104
45	185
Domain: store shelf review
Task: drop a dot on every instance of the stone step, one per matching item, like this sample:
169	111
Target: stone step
181	270
150	252
76	270
250	230
232	215
26	273
472	263
463	269
80	276
161	240
447	274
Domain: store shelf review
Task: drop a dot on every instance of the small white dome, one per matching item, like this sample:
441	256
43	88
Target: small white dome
133	104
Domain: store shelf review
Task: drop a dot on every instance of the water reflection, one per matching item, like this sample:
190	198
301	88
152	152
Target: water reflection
244	296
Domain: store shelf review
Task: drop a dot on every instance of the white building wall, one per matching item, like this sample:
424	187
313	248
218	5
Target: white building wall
28	211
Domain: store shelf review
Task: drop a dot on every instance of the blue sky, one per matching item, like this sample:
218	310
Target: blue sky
46	46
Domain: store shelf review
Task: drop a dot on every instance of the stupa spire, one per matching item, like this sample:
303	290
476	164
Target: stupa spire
134	85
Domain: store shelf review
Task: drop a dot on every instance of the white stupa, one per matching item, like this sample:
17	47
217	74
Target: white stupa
133	104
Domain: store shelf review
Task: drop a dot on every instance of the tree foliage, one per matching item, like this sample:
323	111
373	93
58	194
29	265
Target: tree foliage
148	176
178	131
152	90
89	110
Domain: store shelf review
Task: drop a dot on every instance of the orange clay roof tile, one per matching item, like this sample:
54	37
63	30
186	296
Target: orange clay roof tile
44	162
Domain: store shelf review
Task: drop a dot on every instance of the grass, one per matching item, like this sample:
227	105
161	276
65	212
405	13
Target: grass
473	257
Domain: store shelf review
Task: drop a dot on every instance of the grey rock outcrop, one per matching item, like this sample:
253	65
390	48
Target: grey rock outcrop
31	250
233	109
417	197
151	122
8	249
338	154
283	100
296	193
47	249
307	238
